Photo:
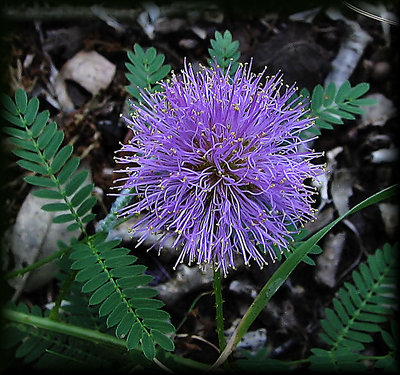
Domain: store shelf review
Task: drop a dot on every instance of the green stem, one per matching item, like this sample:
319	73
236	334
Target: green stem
89	335
110	221
219	309
63	328
33	266
61	295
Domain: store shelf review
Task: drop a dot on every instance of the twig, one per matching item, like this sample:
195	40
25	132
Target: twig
183	335
350	51
370	15
65	12
162	366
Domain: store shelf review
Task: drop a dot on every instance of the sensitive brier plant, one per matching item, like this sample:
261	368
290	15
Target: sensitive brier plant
218	162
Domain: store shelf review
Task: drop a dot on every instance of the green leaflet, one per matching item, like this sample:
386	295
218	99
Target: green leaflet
40	181
145	69
9	105
124	325
68	169
164	341
18	133
55	207
61	158
32	110
21	100
133	281
47	135
94	282
148	346
81	195
224	52
73	185
118	314
88	273
39	124
134	336
109	304
63	218
28	155
86	206
46	193
128	270
343	359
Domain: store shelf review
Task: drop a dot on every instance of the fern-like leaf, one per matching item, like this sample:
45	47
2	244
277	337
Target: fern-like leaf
119	289
146	68
331	105
359	310
107	272
39	147
224	52
46	350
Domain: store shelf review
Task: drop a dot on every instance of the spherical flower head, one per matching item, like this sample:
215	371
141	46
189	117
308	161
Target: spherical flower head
217	163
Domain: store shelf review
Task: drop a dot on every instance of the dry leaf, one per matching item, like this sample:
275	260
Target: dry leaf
148	17
385	155
90	70
306	15
342	189
379	113
322	181
252	341
328	261
390	217
243	288
324	217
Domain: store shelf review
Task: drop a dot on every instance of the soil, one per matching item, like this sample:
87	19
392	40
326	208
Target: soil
304	52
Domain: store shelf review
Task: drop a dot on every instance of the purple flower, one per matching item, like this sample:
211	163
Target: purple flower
218	163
